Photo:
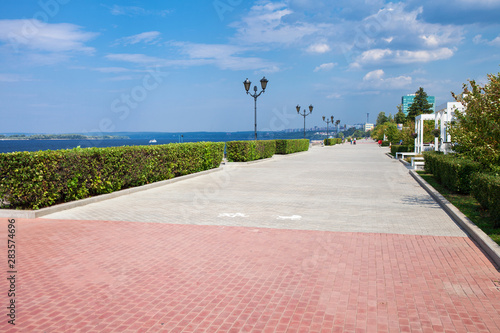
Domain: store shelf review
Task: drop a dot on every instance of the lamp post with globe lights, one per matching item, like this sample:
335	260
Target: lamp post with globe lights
247	84
304	114
328	121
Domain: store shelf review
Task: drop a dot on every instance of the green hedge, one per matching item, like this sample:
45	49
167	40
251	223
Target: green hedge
291	146
401	149
486	189
385	143
40	179
244	151
452	171
332	141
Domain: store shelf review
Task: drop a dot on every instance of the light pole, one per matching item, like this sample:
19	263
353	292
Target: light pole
305	114
328	121
337	122
263	84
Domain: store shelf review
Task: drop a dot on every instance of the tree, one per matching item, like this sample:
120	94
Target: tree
477	129
389	130
382	118
420	105
400	117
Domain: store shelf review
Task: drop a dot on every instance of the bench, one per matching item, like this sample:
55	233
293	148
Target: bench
403	155
417	163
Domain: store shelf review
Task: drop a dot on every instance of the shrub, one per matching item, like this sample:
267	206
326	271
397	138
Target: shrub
401	149
291	146
331	141
244	151
453	172
40	179
486	189
385	143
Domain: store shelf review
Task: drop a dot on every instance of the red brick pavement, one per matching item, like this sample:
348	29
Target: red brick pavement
91	276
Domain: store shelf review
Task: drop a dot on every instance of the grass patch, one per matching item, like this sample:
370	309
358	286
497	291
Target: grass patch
468	205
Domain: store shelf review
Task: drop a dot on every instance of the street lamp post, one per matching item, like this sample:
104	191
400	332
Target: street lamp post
328	121
304	114
337	122
263	84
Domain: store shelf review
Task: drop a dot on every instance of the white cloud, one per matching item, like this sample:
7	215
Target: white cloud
495	42
223	56
318	48
334	96
478	39
150	37
325	67
384	56
374	75
6	77
134	58
36	35
111	69
266	23
135	11
376	79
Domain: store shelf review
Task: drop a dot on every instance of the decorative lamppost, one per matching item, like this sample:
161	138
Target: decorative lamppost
305	114
263	84
337	122
327	121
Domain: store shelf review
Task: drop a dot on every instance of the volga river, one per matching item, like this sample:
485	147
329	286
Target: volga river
8	146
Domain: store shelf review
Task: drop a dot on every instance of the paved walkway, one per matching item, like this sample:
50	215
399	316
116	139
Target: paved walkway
338	239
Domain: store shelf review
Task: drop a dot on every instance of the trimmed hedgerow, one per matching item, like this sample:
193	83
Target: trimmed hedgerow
486	189
40	179
291	146
401	149
332	141
453	172
244	151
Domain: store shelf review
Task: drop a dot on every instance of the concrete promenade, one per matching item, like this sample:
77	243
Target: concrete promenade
336	239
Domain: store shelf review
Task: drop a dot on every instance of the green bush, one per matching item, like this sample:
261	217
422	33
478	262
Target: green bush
401	149
332	142
385	143
245	151
40	179
486	189
453	172
291	146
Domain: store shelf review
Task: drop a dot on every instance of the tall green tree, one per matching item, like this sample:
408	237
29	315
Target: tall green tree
477	129
400	117
419	106
381	118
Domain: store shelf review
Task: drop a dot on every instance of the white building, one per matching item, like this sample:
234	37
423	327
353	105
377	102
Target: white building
368	127
444	115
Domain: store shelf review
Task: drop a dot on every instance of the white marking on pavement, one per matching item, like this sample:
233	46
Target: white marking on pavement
232	215
293	217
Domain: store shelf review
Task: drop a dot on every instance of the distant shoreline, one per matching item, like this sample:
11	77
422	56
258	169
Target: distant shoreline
55	137
27	139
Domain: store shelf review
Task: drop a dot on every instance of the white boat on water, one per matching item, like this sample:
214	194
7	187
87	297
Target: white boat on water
152	141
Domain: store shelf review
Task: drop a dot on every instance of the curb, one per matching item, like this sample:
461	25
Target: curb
32	214
491	248
269	159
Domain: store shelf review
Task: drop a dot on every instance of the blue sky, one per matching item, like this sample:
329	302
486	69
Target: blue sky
70	66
